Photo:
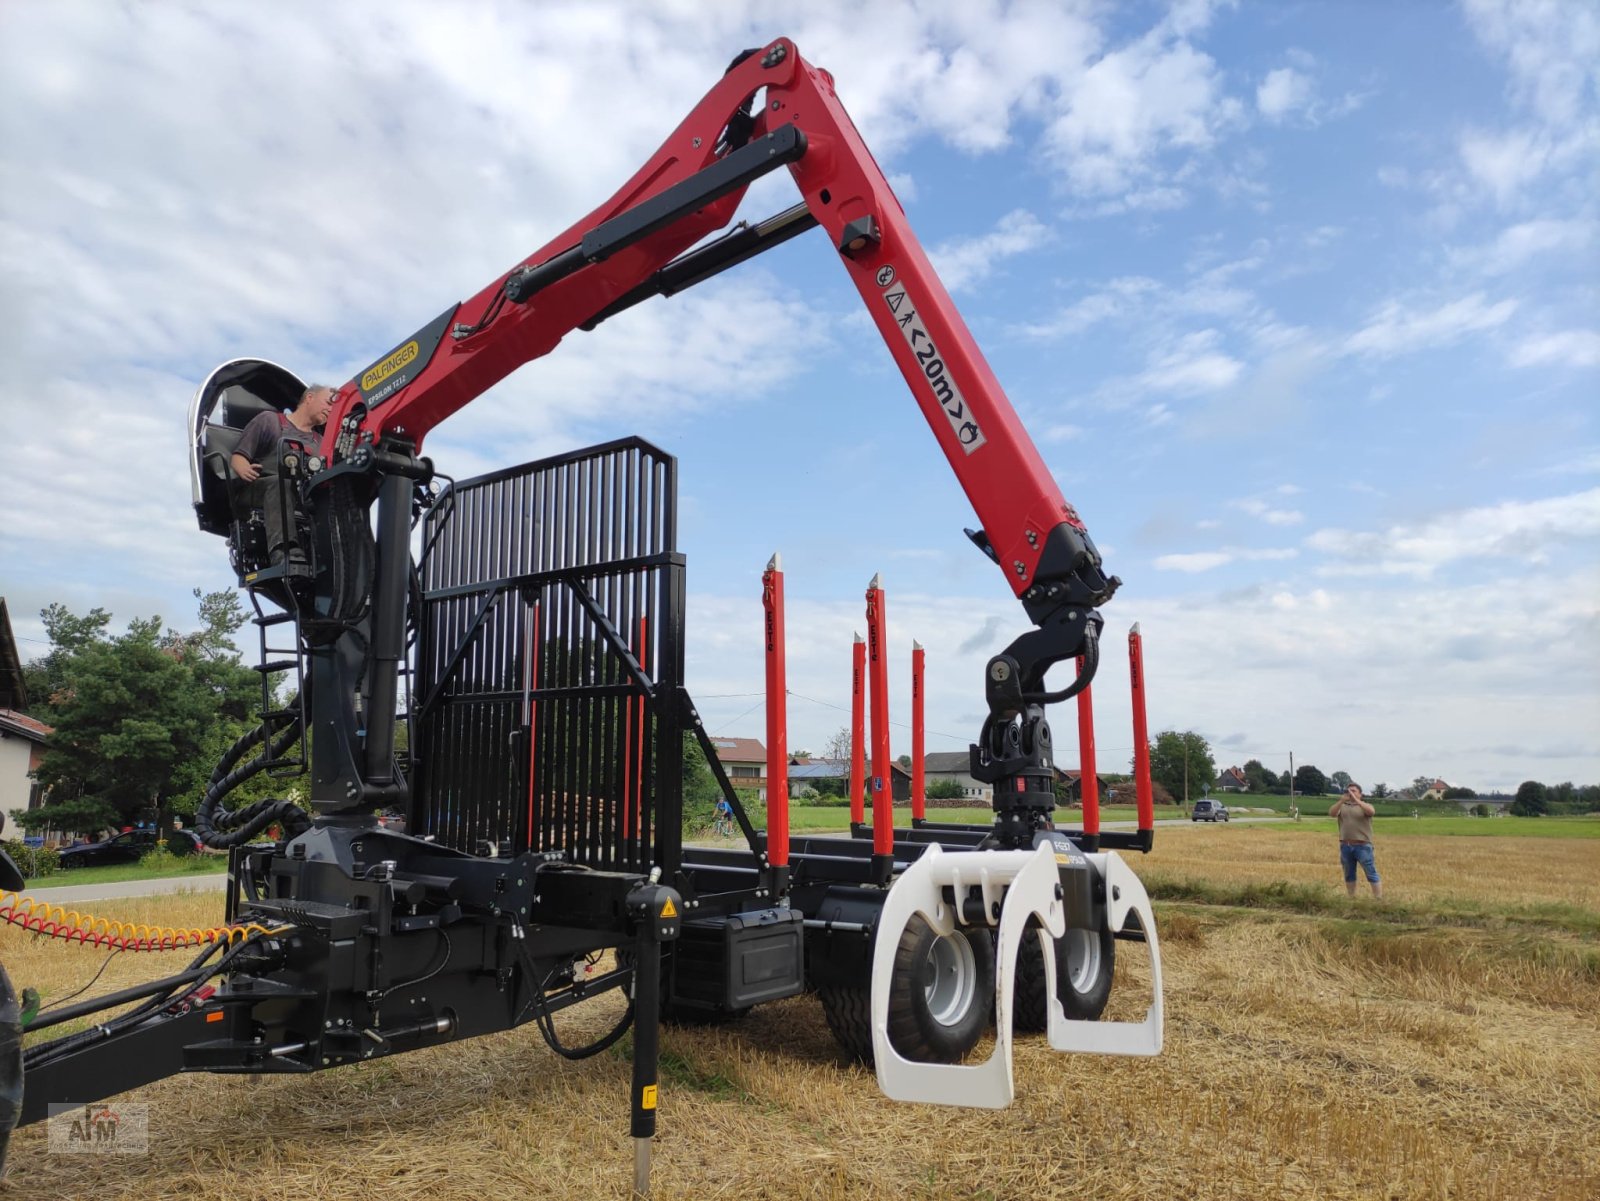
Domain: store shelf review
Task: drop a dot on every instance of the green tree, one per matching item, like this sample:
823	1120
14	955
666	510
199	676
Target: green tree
138	718
1380	790
700	789
1308	781
1460	794
1532	799
1177	759
943	790
46	677
1339	781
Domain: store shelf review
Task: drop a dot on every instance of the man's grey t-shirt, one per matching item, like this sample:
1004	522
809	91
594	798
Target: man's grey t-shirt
259	442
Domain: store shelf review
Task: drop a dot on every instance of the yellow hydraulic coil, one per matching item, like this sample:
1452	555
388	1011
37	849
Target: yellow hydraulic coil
56	922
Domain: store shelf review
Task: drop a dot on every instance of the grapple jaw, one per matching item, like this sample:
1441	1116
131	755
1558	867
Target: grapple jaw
1013	887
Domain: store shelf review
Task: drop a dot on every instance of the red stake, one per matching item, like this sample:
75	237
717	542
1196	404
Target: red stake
777	717
1141	733
882	783
1088	781
858	730
919	802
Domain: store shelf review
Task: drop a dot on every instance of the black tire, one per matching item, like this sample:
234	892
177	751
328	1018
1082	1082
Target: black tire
1085	964
941	992
848	1011
940	997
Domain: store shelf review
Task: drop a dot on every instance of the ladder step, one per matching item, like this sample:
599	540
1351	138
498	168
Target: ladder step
276	665
273	619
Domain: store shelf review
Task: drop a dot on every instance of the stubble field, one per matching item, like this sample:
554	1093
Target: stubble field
1439	1044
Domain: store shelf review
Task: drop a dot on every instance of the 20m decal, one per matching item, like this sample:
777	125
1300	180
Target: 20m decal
932	363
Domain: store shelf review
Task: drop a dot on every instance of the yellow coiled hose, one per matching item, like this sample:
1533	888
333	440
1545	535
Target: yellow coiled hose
40	917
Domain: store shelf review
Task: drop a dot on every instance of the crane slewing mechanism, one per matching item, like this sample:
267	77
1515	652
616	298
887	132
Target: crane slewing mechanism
515	690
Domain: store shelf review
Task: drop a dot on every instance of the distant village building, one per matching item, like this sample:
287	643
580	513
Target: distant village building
953	765
22	741
21	737
1231	780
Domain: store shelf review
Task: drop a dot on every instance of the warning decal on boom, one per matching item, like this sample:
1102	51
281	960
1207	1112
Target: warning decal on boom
932	363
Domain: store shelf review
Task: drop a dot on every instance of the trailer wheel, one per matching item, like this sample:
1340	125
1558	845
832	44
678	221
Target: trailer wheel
848	1010
941	992
1085	963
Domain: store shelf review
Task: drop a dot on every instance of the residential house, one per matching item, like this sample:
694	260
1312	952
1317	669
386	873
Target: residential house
1073	782
13	693
1434	791
21	737
953	765
745	761
804	772
21	748
1231	780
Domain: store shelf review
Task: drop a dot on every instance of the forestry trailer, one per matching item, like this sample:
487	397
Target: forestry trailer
501	661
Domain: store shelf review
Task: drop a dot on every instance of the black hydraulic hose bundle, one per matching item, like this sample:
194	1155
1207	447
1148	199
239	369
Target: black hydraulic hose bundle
220	828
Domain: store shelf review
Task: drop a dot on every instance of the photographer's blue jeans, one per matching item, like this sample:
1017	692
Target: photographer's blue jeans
1351	854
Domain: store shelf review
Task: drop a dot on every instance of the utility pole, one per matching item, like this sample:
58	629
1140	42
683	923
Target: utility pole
1185	771
1291	777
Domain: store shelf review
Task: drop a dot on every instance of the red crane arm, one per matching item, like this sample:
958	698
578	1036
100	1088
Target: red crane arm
631	245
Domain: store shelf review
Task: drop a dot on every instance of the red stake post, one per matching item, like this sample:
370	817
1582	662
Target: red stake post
1141	733
1088	781
919	802
777	717
858	731
882	784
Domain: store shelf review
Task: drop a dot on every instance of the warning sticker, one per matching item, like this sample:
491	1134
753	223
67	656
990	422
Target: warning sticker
932	364
647	1099
668	909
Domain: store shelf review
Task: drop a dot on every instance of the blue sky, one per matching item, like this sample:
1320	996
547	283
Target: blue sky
1299	302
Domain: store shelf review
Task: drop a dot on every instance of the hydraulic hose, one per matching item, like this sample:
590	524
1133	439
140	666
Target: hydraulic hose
220	828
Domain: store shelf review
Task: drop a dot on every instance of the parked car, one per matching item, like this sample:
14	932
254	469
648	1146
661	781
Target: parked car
129	847
1208	811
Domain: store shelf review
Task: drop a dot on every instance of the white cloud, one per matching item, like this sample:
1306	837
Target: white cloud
1570	348
1198	561
964	262
1551	48
1505	163
1257	507
1515	531
1283	92
1134	104
1192	366
1517	245
1395	329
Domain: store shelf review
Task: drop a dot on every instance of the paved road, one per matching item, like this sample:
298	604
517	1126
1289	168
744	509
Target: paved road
77	894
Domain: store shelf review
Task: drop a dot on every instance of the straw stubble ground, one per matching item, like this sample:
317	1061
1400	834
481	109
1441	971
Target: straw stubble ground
1333	1054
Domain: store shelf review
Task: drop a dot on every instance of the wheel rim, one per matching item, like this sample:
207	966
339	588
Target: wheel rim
951	979
1083	958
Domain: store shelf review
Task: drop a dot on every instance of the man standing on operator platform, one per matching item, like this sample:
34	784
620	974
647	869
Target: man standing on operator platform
1354	816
